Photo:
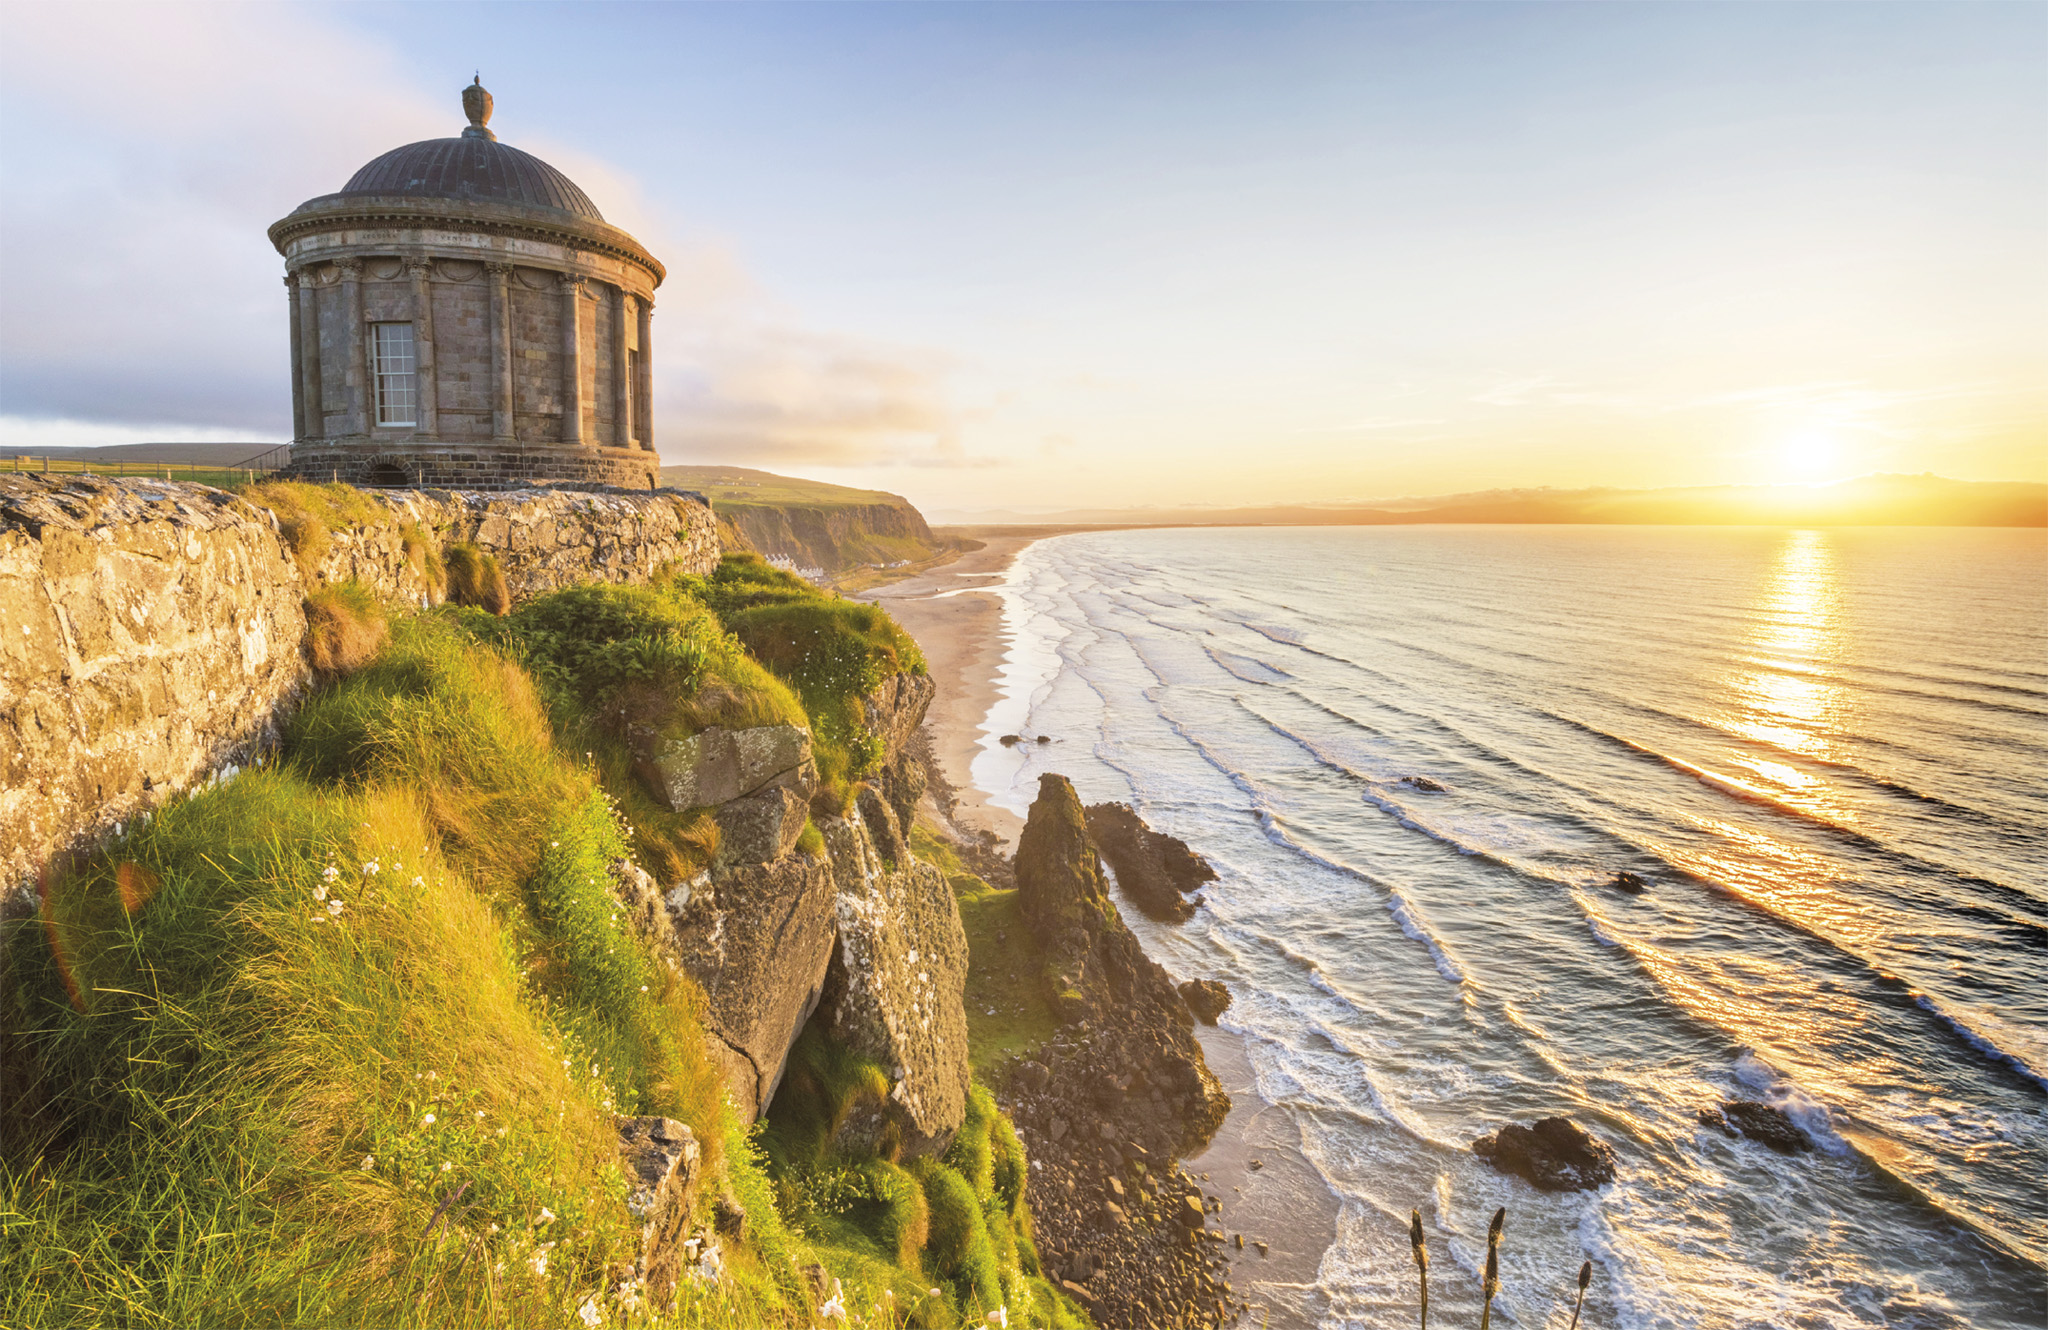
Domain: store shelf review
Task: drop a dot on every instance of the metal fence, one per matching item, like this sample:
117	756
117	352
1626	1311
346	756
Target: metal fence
244	472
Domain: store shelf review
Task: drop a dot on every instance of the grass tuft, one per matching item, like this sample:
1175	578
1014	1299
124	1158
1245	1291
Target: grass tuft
474	579
345	628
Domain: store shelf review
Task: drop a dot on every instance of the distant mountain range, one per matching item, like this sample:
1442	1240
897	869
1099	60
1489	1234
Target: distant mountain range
1877	500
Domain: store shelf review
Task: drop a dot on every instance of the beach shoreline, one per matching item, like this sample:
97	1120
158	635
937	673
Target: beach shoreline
956	617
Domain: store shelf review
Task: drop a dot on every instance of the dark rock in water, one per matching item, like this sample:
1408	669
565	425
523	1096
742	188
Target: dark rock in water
1155	870
1422	783
1010	740
1554	1155
1206	998
1044	738
1628	882
1760	1122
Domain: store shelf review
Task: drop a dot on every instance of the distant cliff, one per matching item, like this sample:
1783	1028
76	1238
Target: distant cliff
838	530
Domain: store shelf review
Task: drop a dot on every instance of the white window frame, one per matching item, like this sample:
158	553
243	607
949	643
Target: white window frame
394	373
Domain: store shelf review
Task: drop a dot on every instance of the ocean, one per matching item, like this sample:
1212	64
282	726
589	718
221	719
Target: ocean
1822	750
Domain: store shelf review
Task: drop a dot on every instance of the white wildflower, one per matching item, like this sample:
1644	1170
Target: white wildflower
547	1216
369	1162
334	908
834	1307
419	882
588	1312
479	1115
445	1166
371	868
539	1262
330	873
427	1121
319	893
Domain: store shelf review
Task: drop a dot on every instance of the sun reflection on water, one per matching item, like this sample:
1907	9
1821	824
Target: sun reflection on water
1786	697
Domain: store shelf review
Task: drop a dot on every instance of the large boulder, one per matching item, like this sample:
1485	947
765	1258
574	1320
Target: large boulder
893	991
757	939
1554	1155
717	765
1156	871
761	827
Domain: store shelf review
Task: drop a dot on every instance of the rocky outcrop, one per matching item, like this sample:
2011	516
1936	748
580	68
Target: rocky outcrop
663	1170
1096	973
1762	1123
1158	872
1206	998
543	539
717	765
149	633
1554	1155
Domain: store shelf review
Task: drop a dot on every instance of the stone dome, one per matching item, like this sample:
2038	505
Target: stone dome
471	169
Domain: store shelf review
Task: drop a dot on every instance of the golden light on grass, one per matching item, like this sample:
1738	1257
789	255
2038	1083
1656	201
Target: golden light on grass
136	885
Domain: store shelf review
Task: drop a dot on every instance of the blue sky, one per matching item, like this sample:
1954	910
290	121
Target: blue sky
1077	254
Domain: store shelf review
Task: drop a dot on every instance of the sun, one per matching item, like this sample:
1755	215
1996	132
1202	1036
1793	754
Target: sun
1808	454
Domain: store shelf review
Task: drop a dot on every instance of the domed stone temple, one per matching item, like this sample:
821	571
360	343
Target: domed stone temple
462	316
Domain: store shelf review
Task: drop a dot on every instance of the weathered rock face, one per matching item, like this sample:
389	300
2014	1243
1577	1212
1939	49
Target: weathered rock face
1155	870
543	539
757	938
894	988
149	632
717	765
760	827
662	1165
1554	1155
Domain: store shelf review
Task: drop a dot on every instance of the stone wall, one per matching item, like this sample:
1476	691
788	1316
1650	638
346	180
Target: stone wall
544	539
152	631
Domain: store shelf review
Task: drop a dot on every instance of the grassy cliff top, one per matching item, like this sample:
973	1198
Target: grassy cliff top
739	484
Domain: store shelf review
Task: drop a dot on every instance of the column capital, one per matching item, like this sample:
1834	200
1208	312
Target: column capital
571	283
421	266
498	267
350	267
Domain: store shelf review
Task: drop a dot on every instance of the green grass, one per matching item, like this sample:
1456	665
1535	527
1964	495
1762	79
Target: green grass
832	652
725	485
1007	1014
252	1047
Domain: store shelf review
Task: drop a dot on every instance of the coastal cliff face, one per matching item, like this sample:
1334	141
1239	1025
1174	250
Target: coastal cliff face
853	929
834	539
152	631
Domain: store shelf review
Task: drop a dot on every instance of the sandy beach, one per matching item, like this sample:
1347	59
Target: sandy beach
1281	1202
962	638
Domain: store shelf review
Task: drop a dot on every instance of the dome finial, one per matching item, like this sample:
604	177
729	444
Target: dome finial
476	104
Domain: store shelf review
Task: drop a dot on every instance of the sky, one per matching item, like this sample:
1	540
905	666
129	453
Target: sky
1069	255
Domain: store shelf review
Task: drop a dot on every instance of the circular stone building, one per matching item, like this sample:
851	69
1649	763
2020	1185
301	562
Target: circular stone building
462	316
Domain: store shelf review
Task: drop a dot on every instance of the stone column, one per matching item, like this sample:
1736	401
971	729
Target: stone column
501	351
306	358
622	391
358	380
572	358
428	414
291	295
643	391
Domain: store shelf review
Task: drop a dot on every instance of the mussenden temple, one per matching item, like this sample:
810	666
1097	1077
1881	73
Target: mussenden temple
463	317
